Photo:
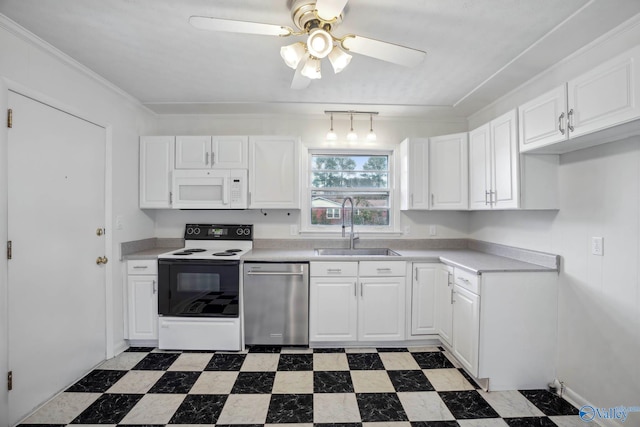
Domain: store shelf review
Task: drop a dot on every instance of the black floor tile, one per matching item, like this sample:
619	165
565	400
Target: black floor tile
41	425
108	409
176	382
225	362
295	362
364	361
468	377
549	403
332	382
97	381
140	349
328	350
465	405
529	422
410	381
380	407
254	383
199	409
432	360
264	349
336	425
392	349
156	362
434	424
290	408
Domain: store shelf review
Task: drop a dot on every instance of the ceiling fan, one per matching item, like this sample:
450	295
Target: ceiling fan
316	19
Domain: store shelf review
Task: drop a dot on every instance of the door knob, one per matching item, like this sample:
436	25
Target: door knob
102	260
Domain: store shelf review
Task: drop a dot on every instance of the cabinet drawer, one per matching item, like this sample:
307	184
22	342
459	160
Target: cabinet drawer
326	269
467	280
382	268
142	266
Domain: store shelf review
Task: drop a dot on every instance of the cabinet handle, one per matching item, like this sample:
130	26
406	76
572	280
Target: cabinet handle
486	197
355	289
560	123
570	120
493	197
449	275
388	270
463	280
334	270
140	266
416	276
213	158
155	288
452	292
361	290
206	158
170	198
432	199
411	200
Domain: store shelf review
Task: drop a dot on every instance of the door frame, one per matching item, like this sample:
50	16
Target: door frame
6	86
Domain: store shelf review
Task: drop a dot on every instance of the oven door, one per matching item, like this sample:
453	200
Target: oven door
198	288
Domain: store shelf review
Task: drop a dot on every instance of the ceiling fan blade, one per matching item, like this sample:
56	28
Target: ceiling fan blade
232	26
329	9
385	51
299	81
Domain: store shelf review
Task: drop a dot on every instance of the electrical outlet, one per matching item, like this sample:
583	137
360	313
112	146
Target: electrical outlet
432	230
597	246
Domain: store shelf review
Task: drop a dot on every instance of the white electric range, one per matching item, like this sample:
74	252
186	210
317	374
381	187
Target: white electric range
199	289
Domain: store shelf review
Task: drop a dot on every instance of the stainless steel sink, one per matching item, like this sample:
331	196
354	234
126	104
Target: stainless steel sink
356	252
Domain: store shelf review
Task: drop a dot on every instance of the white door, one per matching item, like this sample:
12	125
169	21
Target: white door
193	152
333	309
56	176
381	310
448	171
423	299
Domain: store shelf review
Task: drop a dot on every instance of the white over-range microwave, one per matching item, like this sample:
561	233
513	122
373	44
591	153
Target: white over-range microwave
210	189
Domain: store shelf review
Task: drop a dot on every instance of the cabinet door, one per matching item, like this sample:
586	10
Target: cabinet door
229	152
381	311
423	302
156	164
414	182
466	328
480	167
143	307
193	152
444	303
448	172
274	173
333	309
543	120
505	189
607	95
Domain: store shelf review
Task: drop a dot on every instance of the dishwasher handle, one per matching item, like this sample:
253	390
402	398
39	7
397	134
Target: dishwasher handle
275	273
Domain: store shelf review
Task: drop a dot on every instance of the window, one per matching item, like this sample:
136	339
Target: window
365	177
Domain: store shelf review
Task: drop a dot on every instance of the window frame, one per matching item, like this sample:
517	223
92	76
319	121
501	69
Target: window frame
394	198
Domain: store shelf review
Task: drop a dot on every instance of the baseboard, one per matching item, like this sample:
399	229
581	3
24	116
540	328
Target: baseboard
119	347
578	401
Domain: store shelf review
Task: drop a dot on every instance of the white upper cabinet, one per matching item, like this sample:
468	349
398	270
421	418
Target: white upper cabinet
156	164
414	182
504	193
480	167
566	118
206	152
274	172
448	171
543	120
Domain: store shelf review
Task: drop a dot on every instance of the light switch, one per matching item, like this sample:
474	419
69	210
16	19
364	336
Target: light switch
597	246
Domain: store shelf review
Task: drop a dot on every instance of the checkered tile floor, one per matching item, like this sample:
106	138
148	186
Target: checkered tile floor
416	387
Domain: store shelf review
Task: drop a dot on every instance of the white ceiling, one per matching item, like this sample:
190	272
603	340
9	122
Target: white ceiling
477	50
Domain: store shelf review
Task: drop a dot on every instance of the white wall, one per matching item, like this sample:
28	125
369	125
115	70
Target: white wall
599	297
27	64
312	130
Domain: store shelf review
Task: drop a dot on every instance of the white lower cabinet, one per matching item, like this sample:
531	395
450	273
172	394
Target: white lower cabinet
444	303
423	298
357	301
466	328
142	299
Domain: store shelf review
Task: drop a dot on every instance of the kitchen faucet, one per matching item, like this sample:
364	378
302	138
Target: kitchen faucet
352	237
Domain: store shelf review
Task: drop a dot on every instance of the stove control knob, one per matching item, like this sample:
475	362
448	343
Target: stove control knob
196	231
239	231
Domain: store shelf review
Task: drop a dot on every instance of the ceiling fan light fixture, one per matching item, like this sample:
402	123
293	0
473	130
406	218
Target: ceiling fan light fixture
319	43
311	68
293	54
339	59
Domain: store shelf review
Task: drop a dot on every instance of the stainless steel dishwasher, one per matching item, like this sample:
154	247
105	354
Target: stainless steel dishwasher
276	303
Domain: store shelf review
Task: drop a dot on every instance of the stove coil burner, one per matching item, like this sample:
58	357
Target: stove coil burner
224	254
233	250
189	251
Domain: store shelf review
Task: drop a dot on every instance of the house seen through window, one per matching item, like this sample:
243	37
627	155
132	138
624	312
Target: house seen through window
364	178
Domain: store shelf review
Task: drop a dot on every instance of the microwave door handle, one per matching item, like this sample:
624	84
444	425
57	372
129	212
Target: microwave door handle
225	191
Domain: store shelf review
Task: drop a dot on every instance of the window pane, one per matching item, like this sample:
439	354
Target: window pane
370	208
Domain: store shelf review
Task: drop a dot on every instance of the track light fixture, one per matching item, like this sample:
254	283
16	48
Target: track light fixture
352	136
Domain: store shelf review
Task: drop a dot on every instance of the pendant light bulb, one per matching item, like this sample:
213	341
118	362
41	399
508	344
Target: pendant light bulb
331	135
371	136
352	136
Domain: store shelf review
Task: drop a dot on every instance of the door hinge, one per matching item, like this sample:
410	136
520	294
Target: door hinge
9	118
9	251
10	380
